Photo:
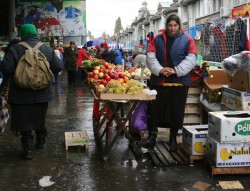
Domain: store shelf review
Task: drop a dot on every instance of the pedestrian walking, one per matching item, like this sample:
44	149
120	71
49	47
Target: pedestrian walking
59	55
28	106
70	55
170	57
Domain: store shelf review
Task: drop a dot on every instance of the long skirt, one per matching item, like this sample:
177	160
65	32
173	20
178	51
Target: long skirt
28	117
168	108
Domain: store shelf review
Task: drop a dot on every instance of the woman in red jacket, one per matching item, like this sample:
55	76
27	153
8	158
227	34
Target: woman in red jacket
82	55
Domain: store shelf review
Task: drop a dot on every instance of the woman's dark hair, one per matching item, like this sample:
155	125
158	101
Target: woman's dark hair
173	17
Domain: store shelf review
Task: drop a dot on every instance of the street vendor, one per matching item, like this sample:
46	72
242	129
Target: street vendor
171	56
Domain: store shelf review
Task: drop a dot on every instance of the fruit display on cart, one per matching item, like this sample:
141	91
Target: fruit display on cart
108	81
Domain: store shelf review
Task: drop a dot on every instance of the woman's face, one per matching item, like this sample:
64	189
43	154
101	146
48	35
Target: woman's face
173	27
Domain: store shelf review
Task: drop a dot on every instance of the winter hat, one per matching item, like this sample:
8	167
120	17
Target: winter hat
28	30
104	45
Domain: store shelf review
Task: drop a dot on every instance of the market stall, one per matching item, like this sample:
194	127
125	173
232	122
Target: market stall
112	89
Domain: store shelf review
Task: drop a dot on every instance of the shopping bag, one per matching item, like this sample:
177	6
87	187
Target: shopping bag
139	117
4	115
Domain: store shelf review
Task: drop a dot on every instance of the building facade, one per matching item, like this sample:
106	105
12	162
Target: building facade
195	14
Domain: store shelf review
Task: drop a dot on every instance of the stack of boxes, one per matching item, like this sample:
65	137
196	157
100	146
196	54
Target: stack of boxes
228	140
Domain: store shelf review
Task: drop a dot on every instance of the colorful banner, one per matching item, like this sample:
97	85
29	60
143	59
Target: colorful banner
241	11
54	17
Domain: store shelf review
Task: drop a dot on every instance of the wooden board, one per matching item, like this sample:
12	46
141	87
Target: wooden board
107	96
192	158
227	170
161	156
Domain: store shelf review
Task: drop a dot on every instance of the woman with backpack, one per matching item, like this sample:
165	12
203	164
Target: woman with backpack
29	106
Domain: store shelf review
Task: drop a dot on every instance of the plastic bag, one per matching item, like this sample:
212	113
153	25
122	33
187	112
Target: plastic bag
236	62
138	119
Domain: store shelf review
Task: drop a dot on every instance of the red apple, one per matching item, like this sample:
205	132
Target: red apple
96	71
108	78
90	74
95	76
101	74
102	67
97	68
109	67
101	70
121	75
106	64
104	82
112	75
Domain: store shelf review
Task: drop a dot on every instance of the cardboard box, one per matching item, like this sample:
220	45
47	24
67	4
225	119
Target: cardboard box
235	99
195	139
212	85
229	126
240	81
228	155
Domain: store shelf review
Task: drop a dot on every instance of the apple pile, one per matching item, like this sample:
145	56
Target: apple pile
104	73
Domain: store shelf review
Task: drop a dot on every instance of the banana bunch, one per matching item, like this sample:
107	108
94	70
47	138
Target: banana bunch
225	155
198	147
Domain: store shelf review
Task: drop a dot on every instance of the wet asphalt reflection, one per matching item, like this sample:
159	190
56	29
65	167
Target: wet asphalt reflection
80	169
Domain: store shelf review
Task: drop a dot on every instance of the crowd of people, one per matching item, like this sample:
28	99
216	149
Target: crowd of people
171	55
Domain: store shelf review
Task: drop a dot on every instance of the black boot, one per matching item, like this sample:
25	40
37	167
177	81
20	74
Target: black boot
150	142
172	140
27	144
40	138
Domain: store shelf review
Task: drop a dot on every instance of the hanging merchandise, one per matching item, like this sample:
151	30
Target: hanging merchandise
220	41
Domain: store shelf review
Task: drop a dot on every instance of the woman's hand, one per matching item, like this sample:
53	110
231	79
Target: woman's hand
167	71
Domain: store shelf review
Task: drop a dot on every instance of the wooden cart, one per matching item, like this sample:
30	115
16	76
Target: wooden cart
109	113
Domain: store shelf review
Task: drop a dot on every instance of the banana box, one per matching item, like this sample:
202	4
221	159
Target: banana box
195	139
235	99
227	154
229	126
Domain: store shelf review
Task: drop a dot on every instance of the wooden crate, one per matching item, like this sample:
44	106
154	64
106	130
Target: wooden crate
193	111
76	139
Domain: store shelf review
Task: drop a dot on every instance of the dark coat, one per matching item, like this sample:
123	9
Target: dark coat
19	95
70	58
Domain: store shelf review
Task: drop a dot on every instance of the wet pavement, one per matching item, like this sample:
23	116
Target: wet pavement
78	169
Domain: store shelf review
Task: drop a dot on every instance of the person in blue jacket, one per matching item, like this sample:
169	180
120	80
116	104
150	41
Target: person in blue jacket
118	59
171	56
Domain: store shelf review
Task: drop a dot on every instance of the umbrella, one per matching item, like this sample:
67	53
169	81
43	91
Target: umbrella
94	42
89	43
97	42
